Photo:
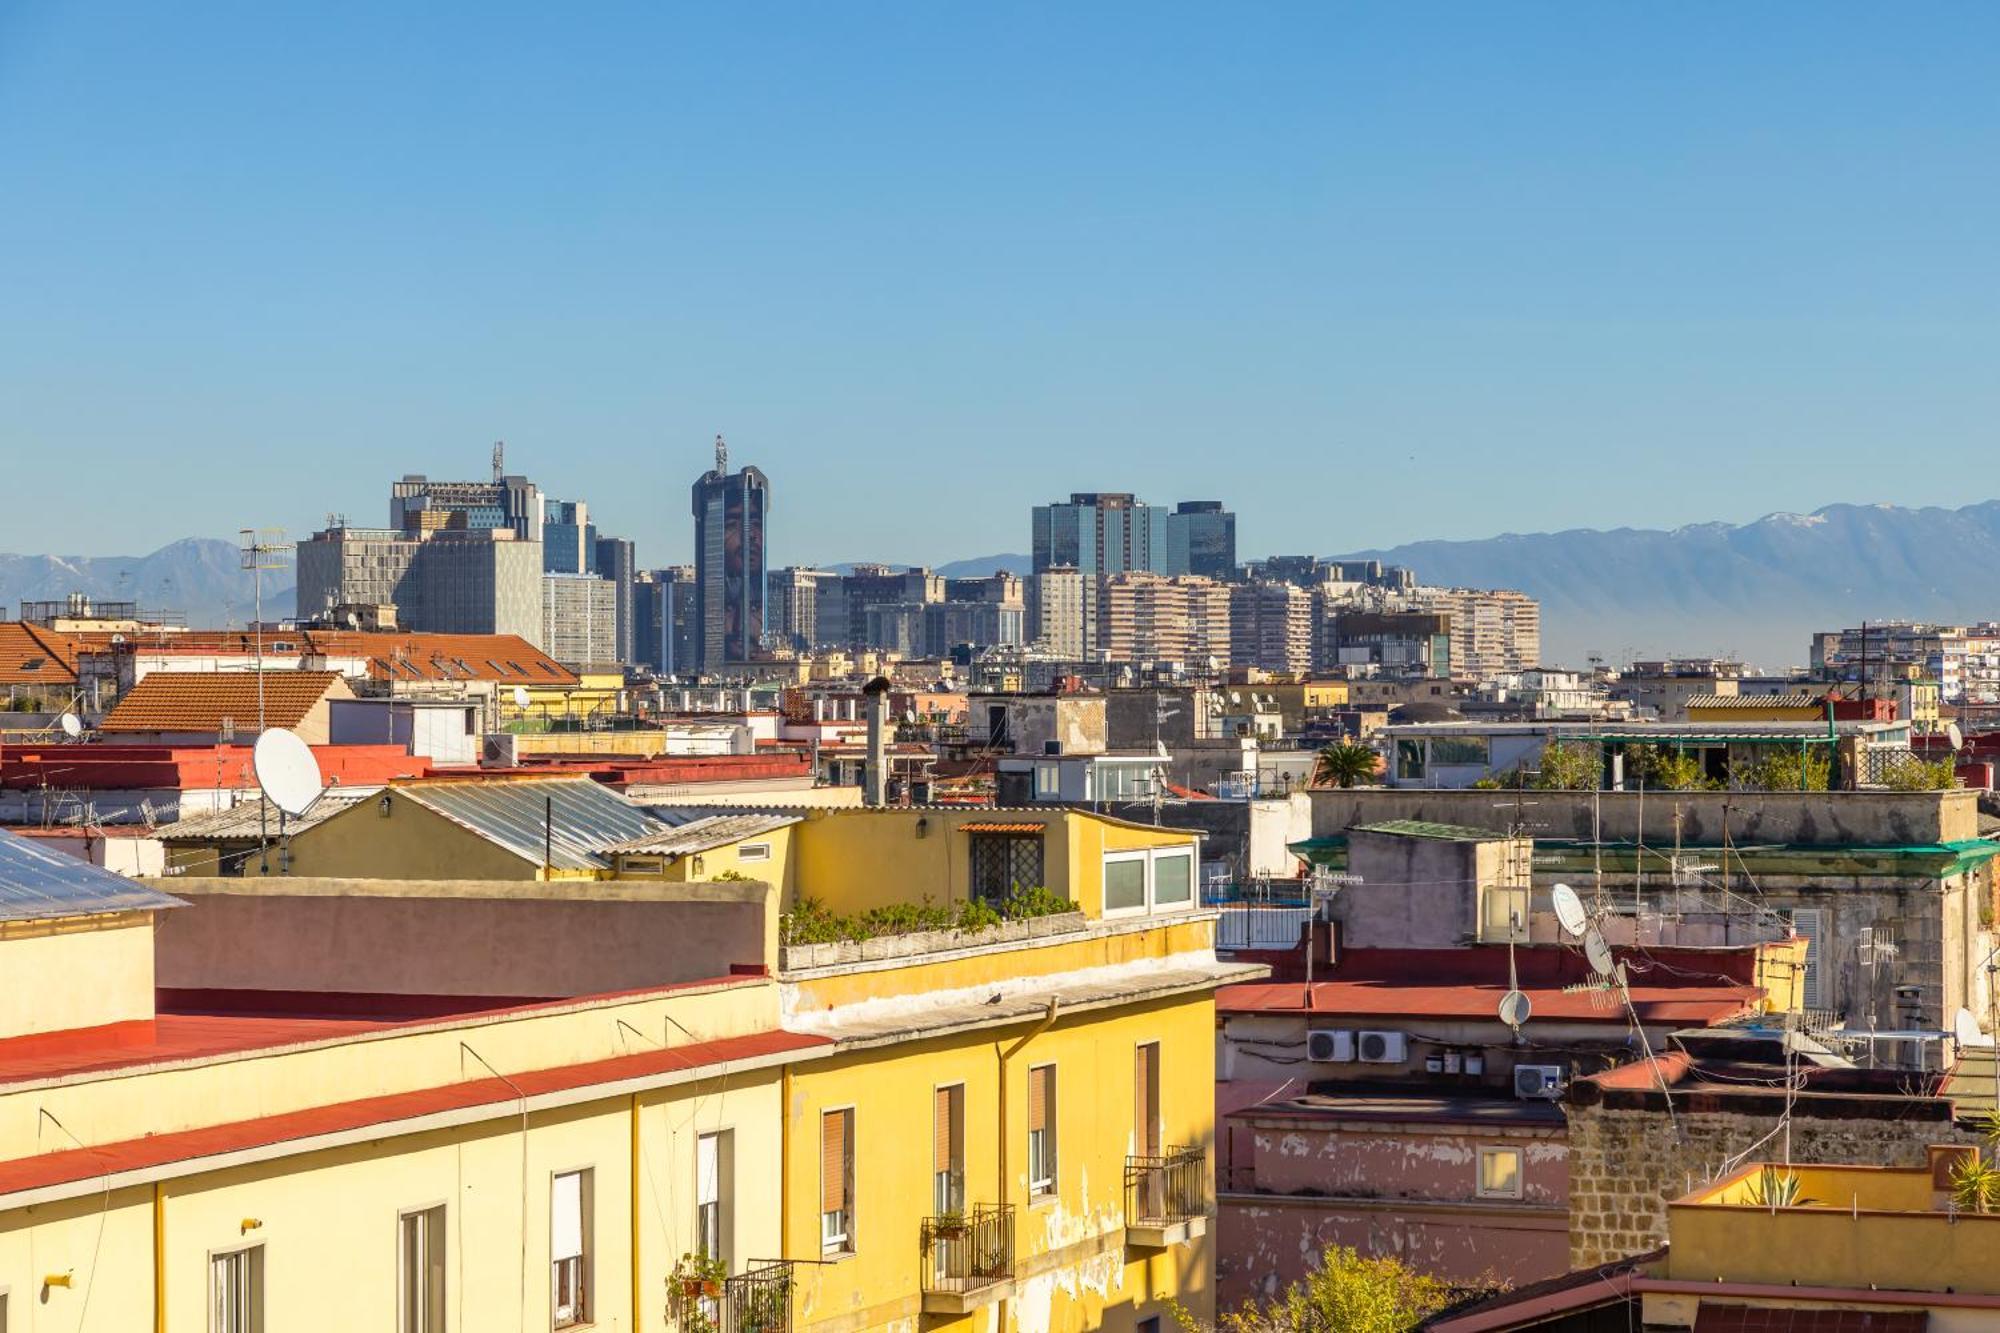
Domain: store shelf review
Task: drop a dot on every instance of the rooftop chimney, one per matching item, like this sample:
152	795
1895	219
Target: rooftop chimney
875	778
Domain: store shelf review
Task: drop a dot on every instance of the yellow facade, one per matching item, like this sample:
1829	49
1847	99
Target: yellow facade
315	1147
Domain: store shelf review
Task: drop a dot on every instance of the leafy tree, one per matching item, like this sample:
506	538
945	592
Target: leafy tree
1665	769
1784	768
1346	1292
1909	773
1568	766
1344	766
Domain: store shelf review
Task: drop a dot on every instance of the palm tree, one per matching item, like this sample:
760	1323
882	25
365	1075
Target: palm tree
1343	766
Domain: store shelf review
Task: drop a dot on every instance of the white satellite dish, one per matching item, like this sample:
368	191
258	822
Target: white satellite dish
1515	1008
1965	1029
1569	910
1954	735
1599	954
521	697
286	770
71	724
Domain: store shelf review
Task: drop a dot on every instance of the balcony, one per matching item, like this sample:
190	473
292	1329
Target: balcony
757	1300
968	1259
1166	1198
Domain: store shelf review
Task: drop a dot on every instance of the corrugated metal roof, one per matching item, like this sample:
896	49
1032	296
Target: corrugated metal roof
1426	828
37	884
243	821
994	826
1755	701
575	818
703	835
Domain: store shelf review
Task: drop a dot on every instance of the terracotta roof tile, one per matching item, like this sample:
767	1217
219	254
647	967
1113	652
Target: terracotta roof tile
199	701
31	655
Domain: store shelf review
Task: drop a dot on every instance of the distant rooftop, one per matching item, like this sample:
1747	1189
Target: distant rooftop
40	884
1425	828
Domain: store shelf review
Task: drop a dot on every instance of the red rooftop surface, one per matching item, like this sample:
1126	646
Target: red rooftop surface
92	1163
187	767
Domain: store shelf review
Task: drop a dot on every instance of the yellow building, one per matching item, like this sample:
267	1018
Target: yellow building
430	1091
1802	1247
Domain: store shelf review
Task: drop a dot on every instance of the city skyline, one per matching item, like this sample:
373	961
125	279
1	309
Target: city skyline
1645	249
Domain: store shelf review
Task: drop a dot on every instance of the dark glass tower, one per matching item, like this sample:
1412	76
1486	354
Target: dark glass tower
729	516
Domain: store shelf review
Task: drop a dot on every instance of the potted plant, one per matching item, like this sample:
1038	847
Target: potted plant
693	1287
948	1226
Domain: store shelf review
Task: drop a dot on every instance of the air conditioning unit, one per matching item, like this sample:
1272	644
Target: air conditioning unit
500	750
1329	1046
1384	1048
1541	1081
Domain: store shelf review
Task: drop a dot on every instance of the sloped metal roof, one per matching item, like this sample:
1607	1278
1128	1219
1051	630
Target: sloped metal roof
242	821
38	884
703	835
575	819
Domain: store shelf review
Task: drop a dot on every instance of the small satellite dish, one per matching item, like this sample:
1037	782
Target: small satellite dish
354	620
1954	735
1599	953
1569	910
1965	1029
117	638
521	697
1515	1008
71	724
286	770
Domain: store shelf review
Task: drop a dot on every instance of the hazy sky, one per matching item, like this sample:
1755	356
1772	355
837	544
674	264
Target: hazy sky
1369	273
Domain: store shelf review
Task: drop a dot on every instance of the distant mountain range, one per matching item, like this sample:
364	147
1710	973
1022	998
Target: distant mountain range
1757	589
1754	589
201	577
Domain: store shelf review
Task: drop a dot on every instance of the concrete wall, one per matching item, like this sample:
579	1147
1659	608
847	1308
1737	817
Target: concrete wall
1813	819
1627	1161
1415	893
1407	1190
456	938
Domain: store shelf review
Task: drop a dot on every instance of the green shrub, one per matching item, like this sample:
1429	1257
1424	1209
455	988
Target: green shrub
809	921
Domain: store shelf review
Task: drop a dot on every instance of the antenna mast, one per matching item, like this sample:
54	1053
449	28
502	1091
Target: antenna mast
499	461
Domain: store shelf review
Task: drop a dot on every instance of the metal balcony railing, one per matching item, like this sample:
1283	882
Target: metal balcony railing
963	1252
757	1300
1166	1190
1245	926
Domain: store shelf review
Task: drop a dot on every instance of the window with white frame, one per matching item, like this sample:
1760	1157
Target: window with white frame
420	1270
712	1169
236	1291
1159	879
836	1182
1499	1173
1042	1130
569	1247
754	851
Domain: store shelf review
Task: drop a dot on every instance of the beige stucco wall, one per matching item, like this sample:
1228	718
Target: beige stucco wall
75	974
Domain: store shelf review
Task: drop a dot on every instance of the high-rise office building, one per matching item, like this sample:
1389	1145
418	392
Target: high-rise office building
567	537
1201	540
729	519
664	615
792	613
616	560
1100	532
579	620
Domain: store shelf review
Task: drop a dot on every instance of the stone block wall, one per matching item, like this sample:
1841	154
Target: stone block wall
1626	1163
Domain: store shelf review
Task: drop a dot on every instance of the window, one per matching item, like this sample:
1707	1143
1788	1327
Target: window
1806	923
236	1291
836	1182
713	1166
754	851
1459	750
1499	1173
1410	761
1048	782
569	1247
1125	884
1146	1100
1042	1129
948	1150
420	1271
1004	862
1161	879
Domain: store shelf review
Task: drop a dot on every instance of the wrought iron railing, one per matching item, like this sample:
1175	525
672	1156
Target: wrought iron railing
964	1251
1163	1190
757	1300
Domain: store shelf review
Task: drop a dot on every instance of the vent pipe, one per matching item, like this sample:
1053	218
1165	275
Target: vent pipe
875	778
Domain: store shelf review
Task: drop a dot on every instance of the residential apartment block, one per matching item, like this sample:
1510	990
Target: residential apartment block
1145	617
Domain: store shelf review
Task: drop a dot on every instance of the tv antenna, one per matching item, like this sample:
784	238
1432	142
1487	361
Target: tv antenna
288	777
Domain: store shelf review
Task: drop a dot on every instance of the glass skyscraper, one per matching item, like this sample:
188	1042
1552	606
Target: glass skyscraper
729	517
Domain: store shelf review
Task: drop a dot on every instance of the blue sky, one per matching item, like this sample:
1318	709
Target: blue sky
1369	273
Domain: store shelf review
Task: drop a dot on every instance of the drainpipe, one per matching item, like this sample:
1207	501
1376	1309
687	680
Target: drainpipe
875	777
159	1260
